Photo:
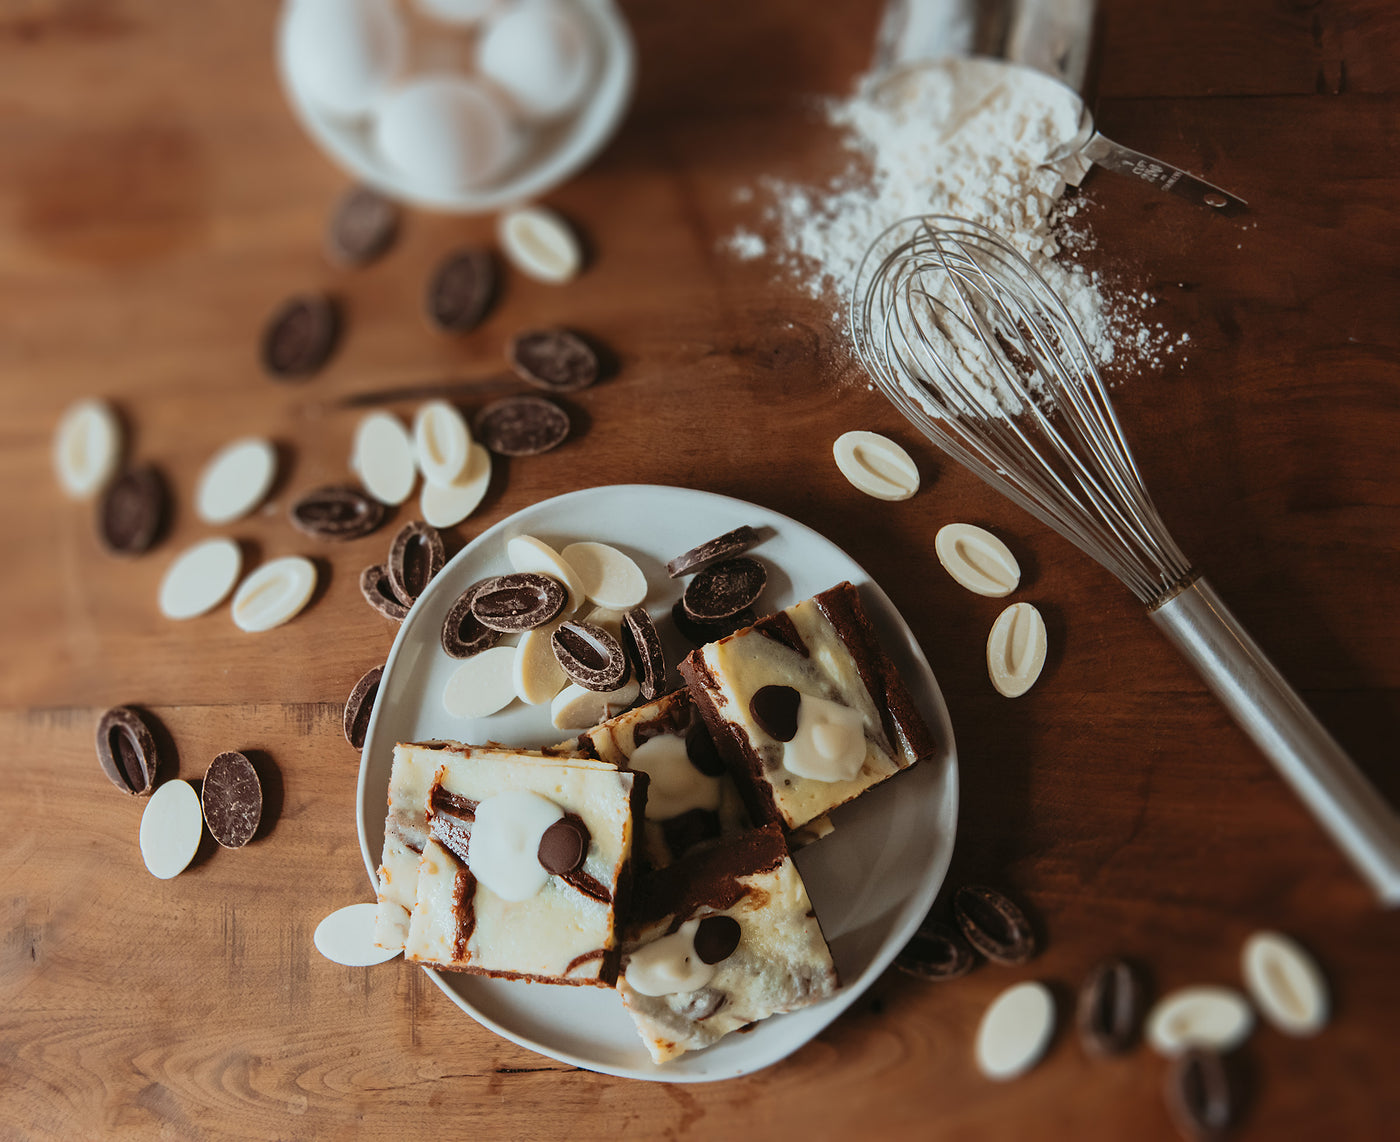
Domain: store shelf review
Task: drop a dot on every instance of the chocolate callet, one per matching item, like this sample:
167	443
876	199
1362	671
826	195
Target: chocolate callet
1110	1008
716	938
360	705
518	602
774	708
463	634
643	645
461	290
781	629
521	426
937	951
1203	1094
126	750
554	359
231	797
132	511
700	633
590	656
724	589
415	556
374	586
564	845
994	924
725	546
338	512
362	227
300	336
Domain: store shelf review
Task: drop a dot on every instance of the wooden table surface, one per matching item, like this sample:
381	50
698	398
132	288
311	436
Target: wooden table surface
157	201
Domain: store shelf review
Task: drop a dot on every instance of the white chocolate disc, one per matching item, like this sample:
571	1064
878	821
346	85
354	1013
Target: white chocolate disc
1285	983
483	684
610	578
607	618
348	936
830	741
235	481
504	850
171	826
540	244
448	505
538	675
1217	1018
87	446
1016	649
526	553
575	708
200	578
383	458
441	442
274	593
446	133
977	560
676	786
876	465
541	53
1015	1030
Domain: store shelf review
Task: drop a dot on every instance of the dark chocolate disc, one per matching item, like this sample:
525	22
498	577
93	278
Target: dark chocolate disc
716	938
643	646
518	602
132	511
590	655
994	924
231	796
374	586
338	512
553	359
300	336
461	289
774	708
462	632
701	633
725	546
362	227
415	556
126	750
521	426
359	706
724	589
937	951
563	846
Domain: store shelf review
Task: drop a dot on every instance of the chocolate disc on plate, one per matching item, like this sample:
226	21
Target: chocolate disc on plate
463	634
725	546
590	656
461	289
716	938
362	227
521	426
379	593
518	602
231	796
339	512
126	750
643	646
415	556
359	706
774	709
300	336
132	511
724	589
700	633
564	845
553	359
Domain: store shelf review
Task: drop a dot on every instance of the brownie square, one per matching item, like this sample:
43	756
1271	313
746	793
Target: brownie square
566	930
813	673
720	940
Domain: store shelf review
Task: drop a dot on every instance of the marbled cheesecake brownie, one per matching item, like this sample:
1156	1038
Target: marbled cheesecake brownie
526	866
691	799
806	708
721	939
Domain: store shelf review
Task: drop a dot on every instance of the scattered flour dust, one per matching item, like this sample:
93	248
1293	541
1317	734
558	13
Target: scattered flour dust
964	137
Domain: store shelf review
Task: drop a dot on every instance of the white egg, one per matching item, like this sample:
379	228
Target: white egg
542	54
458	11
343	54
444	134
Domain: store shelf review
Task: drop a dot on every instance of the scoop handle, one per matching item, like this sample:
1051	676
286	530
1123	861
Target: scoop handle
1126	161
1342	800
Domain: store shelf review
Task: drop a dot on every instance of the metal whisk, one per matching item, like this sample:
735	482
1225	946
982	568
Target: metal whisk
980	353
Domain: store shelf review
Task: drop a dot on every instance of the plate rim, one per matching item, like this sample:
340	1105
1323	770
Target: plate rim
849	992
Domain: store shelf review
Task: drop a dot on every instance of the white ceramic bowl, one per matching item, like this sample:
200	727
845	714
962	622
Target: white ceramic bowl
558	153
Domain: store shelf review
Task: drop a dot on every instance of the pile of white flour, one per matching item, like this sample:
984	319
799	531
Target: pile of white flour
964	137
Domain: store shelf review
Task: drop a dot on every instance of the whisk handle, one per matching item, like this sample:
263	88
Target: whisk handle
1344	802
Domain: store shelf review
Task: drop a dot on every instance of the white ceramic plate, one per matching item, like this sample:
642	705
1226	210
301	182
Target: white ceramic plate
557	153
871	881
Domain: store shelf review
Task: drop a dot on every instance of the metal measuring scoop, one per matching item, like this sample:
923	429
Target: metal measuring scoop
1050	37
